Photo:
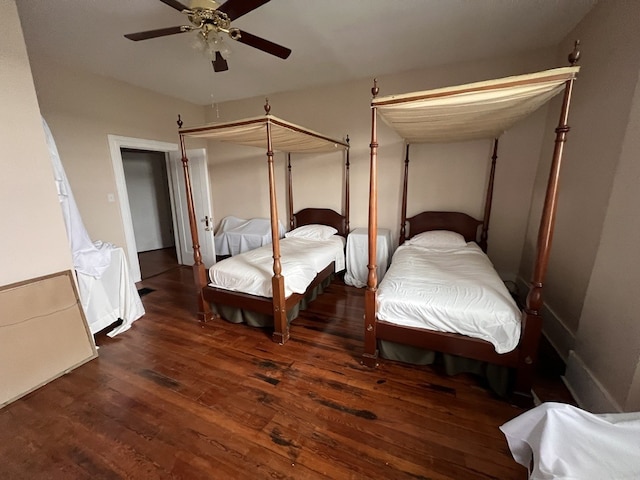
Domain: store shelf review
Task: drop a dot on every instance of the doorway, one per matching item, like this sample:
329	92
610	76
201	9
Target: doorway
179	210
147	181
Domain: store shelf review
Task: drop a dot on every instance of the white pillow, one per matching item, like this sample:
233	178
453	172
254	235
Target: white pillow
312	232
437	239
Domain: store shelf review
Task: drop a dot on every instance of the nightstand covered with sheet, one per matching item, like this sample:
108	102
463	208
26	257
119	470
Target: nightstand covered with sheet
358	256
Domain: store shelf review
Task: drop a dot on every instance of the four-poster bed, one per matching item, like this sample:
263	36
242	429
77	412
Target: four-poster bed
467	112
279	299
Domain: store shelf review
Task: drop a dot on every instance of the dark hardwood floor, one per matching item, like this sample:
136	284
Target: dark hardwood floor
173	398
155	262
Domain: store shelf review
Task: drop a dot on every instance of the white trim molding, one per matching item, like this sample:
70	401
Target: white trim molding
586	389
115	144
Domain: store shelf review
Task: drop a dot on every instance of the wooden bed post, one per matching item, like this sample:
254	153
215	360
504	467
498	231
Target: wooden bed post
484	236
346	189
533	319
280	324
290	191
405	186
370	355
199	271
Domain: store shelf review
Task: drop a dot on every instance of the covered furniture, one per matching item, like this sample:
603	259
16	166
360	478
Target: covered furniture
107	291
271	134
560	441
237	235
357	245
460	113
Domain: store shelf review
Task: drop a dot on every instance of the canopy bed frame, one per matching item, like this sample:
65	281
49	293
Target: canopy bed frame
439	116
274	134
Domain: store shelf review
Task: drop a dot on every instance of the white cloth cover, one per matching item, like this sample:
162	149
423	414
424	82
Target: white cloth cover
472	111
237	235
285	136
449	290
358	256
87	257
302	259
111	297
567	443
107	292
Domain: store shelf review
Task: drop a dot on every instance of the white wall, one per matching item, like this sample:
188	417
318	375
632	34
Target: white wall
37	244
148	192
82	109
442	176
588	290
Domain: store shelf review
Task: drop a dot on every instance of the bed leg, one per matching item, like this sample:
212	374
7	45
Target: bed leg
280	337
532	329
369	360
204	310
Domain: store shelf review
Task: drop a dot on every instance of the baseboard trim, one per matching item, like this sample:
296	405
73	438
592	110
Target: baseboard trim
586	389
561	338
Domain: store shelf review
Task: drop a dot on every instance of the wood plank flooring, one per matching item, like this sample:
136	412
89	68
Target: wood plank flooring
173	398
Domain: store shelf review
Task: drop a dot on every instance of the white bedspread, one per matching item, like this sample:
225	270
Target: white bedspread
449	290
237	235
567	443
301	260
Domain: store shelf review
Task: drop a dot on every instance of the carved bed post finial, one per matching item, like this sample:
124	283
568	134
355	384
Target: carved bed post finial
267	107
179	122
574	56
375	90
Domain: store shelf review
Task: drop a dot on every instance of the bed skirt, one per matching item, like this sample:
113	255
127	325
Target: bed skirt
254	319
497	377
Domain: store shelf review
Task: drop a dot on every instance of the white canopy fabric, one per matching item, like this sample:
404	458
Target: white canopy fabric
472	111
285	136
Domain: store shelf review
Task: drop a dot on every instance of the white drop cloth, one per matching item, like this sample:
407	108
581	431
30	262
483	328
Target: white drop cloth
567	443
237	235
358	256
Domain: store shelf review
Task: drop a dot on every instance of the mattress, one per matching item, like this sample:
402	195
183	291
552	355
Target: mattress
301	259
454	290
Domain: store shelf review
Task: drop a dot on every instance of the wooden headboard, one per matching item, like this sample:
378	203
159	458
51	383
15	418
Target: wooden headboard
458	222
322	216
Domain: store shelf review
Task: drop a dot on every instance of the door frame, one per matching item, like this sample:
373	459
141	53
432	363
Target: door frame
117	142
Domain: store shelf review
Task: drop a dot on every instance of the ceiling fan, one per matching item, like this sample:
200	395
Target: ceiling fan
211	19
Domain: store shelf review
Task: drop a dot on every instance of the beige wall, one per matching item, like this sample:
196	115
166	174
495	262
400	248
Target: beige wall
442	176
42	328
37	244
82	109
592	270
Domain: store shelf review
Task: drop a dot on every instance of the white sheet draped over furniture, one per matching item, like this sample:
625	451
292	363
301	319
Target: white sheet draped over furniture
111	297
567	443
238	235
357	248
107	292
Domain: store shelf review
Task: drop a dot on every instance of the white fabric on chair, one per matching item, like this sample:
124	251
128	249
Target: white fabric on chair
107	292
567	443
111	297
237	235
87	258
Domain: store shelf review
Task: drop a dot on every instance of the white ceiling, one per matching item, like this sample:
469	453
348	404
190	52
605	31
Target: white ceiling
332	41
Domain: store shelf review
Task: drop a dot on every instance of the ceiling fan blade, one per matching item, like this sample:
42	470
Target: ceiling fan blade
160	32
175	4
219	63
262	44
237	8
